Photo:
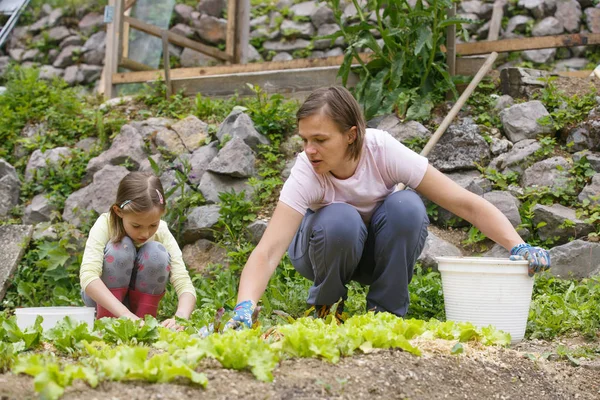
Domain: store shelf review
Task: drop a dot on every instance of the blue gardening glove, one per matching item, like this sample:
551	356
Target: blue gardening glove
243	315
539	259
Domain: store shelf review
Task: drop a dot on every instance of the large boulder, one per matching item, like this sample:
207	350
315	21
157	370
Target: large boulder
40	210
517	158
212	184
235	159
200	223
239	124
559	223
460	148
127	146
576	259
192	132
521	121
436	247
551	172
507	204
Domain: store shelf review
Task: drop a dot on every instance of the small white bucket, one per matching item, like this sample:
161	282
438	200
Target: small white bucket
52	315
487	291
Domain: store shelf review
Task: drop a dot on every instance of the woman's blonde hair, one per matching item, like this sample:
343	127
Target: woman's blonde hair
338	104
138	192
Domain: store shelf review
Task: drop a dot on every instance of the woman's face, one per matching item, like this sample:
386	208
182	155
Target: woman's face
140	226
326	146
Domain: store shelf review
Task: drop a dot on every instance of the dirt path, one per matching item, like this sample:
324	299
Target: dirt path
479	373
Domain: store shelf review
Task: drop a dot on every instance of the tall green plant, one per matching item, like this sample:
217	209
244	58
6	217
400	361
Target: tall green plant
407	73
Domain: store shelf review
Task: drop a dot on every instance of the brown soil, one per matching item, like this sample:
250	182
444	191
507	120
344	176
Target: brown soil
479	373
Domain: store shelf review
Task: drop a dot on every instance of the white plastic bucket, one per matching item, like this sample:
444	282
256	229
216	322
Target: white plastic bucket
487	291
52	315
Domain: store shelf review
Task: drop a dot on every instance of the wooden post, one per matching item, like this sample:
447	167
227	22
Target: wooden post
456	108
497	14
231	28
114	47
451	42
242	25
166	61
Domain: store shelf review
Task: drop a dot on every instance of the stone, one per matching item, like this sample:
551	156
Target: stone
576	259
568	12
214	8
591	191
522	82
192	132
304	9
549	26
516	24
192	58
460	148
500	146
497	251
235	159
239	124
283	56
48	72
289	45
14	240
127	146
40	210
170	140
541	56
503	102
46	159
210	29
585	136
403	131
90	23
105	185
552	172
212	184
559	223
592	19
200	223
199	255
256	230
322	15
507	204
67	56
10	188
183	12
516	159
436	247
520	121
592	158
295	29
571	64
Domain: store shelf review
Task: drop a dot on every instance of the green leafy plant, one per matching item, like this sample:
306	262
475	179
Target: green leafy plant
565	111
406	74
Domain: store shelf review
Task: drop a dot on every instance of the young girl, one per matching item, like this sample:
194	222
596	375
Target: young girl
130	254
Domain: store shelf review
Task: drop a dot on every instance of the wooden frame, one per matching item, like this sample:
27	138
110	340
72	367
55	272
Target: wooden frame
282	73
237	42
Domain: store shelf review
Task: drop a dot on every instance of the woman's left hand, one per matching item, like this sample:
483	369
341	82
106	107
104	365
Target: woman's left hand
172	324
538	258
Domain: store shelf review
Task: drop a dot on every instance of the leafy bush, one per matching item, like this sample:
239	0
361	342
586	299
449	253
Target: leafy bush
407	74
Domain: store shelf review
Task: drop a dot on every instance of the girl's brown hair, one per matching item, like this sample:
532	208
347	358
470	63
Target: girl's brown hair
338	104
138	192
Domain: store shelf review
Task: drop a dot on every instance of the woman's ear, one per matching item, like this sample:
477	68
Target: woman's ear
352	132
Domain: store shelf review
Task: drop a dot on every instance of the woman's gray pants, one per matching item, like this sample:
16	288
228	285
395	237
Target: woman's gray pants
334	246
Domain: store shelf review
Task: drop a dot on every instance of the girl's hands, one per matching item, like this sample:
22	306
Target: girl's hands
172	324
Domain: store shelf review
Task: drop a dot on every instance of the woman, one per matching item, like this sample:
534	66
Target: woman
340	219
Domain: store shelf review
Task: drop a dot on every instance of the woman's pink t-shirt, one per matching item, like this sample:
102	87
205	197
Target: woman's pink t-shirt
384	163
